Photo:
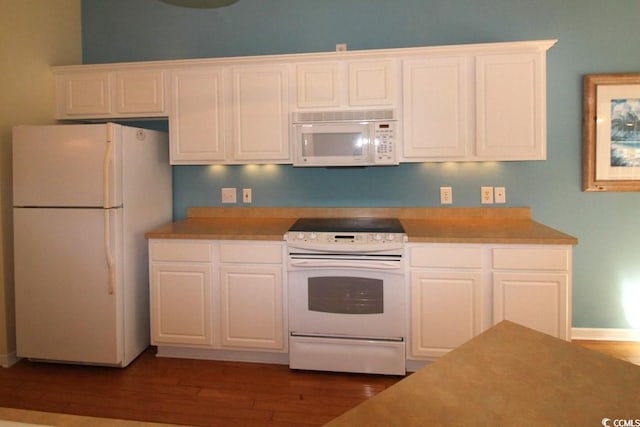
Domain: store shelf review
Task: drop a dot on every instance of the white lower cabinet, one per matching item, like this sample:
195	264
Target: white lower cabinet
251	295
532	287
181	283
226	300
459	290
447	310
446	297
218	299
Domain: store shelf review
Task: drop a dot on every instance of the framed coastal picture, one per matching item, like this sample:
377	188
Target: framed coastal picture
611	132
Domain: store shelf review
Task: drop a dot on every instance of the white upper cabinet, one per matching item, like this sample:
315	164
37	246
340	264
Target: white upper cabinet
230	115
319	85
139	92
83	94
103	93
347	83
373	83
260	114
476	103
196	123
437	107
510	106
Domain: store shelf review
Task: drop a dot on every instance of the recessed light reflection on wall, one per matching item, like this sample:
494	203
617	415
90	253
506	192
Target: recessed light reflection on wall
254	169
217	170
250	169
465	167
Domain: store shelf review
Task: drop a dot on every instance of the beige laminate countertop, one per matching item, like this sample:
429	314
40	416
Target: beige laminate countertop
508	376
427	225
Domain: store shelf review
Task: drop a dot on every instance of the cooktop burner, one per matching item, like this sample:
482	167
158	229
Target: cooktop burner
362	225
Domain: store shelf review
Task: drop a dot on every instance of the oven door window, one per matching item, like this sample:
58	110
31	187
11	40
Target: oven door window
345	295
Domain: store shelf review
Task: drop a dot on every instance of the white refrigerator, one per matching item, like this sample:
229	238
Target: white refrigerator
83	196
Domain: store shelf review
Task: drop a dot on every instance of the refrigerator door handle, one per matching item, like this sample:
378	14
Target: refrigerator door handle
111	279
106	175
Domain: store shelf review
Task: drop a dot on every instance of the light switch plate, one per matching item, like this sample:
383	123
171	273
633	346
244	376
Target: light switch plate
246	195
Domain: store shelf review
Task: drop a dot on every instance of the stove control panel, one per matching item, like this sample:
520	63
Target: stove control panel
310	237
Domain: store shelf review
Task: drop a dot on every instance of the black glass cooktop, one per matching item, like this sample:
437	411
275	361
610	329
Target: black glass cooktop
363	225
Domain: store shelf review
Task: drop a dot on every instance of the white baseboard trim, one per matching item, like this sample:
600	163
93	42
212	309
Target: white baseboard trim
605	334
8	360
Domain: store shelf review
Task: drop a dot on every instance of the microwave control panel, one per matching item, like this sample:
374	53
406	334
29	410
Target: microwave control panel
385	148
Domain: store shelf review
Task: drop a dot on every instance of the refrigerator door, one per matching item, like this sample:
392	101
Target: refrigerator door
69	299
67	165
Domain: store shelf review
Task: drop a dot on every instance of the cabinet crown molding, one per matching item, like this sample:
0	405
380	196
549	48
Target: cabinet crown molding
520	46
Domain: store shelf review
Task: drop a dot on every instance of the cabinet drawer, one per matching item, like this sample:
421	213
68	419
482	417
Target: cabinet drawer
177	250
531	259
256	253
437	256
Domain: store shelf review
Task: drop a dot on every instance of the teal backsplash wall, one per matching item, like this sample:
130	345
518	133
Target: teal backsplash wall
593	37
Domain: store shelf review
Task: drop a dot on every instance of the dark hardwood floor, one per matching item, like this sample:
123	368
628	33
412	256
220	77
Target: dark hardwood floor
204	393
191	392
629	351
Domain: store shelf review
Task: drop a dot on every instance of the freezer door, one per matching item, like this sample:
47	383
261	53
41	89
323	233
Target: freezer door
67	165
67	308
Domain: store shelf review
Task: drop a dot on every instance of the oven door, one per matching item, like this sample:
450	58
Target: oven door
347	302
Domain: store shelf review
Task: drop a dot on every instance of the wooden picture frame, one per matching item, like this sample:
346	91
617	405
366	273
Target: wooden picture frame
611	132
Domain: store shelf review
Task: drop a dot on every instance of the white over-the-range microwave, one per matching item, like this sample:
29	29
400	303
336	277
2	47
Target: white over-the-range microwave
344	138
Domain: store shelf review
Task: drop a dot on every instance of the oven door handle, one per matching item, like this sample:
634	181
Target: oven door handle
370	265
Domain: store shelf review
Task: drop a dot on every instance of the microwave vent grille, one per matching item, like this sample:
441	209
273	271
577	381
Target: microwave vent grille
342	116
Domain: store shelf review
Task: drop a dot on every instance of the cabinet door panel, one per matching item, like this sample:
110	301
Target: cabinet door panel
371	83
510	120
436	104
181	309
538	301
251	307
84	94
197	116
318	85
446	311
261	113
140	92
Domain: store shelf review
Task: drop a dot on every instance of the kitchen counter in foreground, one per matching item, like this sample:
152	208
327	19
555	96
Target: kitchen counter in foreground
426	225
508	375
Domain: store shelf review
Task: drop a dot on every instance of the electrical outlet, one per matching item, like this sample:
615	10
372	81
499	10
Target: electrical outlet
246	195
446	195
228	195
486	195
341	47
500	195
